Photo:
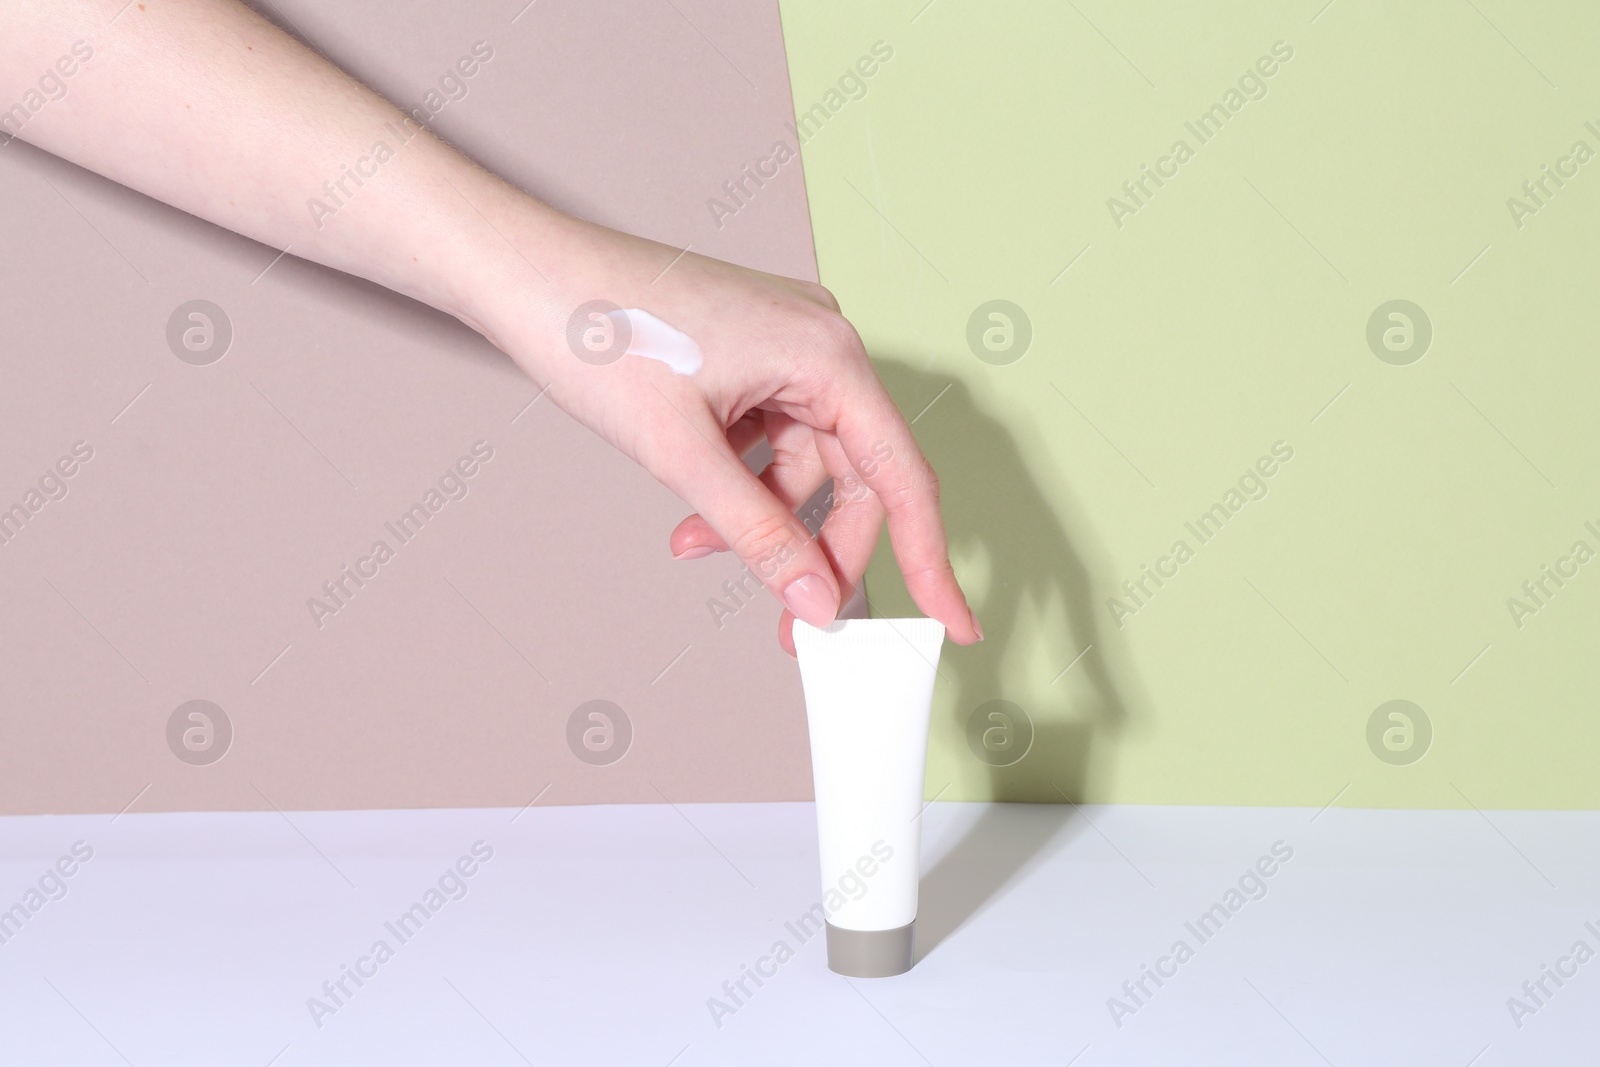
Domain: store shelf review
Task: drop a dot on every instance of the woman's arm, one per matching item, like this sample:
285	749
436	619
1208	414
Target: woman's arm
208	107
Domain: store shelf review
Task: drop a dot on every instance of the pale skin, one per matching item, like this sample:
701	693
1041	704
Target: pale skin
205	106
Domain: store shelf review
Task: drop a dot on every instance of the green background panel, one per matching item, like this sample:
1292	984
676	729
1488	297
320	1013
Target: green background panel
1227	313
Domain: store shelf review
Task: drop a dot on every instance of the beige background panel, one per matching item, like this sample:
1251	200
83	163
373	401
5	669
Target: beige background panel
219	498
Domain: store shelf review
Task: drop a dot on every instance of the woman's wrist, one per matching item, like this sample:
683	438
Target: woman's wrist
511	261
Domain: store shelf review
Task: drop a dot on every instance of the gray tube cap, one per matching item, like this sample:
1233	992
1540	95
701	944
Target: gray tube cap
870	953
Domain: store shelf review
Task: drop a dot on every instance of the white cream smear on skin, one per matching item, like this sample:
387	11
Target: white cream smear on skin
651	338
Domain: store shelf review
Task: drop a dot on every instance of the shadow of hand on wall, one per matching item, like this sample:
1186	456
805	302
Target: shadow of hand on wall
999	521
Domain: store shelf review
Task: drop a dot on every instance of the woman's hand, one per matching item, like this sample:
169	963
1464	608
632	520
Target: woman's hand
780	362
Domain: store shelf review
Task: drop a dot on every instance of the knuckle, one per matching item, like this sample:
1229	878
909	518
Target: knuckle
830	332
931	576
913	485
843	336
766	545
897	496
825	296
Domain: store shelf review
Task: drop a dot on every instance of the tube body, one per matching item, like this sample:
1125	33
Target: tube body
869	689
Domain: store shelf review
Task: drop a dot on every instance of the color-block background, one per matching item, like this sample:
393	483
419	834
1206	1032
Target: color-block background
1229	312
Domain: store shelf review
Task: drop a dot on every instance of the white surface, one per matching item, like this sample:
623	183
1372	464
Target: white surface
596	935
869	692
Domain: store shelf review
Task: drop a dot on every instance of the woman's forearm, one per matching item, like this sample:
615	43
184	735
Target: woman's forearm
210	108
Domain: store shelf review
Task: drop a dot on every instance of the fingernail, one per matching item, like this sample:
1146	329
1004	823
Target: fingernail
697	552
974	617
811	598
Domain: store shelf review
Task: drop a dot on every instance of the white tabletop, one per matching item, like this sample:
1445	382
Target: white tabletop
599	935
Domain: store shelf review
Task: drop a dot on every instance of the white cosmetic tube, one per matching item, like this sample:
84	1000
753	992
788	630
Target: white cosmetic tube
869	690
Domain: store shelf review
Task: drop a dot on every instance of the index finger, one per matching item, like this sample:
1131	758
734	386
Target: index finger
879	444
